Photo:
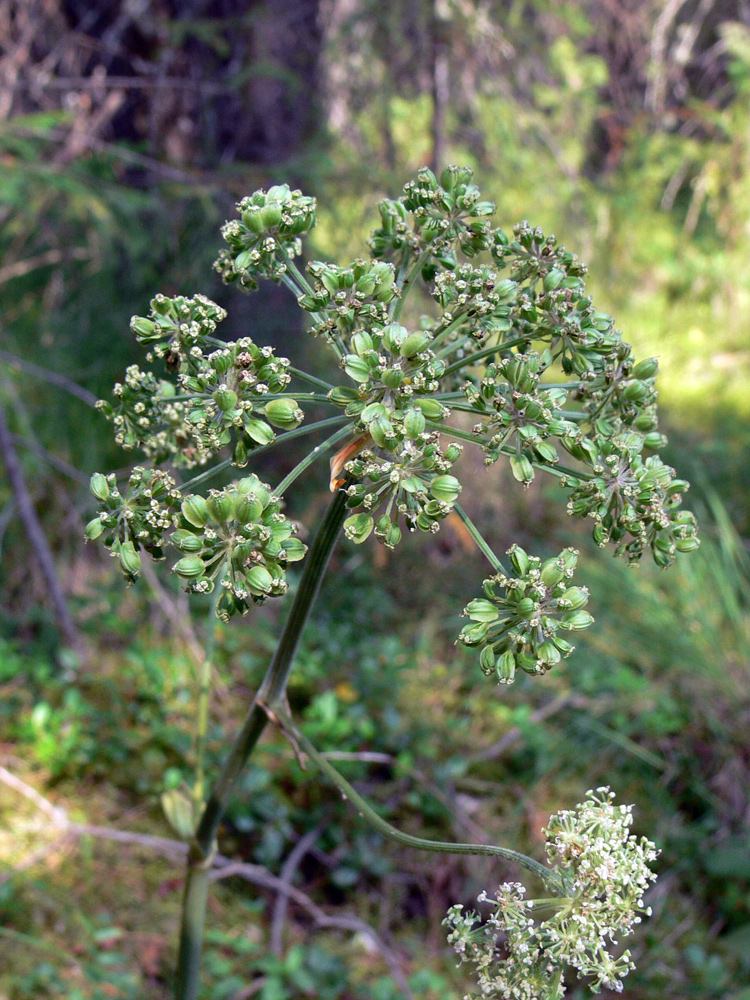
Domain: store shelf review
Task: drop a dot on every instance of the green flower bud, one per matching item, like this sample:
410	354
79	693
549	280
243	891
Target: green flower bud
258	581
574	598
342	395
576	620
252	219
392	378
356	368
393	337
487	659
93	529
430	407
372	411
414	423
384	288
646	368
553	278
258	431
220	507
130	560
145	329
546	452
452	452
473	635
445	488
243	260
358	527
392	536
194	511
186	541
521	468
249	510
565	647
283	413
599	534
381	430
330	280
239	455
294	549
480	610
413	344
552	572
686	544
189	567
361	342
635	391
271	215
569	559
251	484
525	608
505	668
99	487
225	399
519	559
548	653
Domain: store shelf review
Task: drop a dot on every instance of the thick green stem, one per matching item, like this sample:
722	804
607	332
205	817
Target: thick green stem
372	817
191	931
204	693
274	684
271	692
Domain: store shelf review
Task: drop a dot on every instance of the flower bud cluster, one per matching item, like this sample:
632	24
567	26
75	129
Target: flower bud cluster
449	211
532	256
176	329
230	399
517	622
391	366
519	412
349	298
603	871
269	221
136	520
240	537
635	502
477	301
412	482
214	396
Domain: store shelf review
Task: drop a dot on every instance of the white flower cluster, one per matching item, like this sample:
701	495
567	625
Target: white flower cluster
602	871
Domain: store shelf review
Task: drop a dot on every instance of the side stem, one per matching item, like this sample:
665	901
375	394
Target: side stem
372	817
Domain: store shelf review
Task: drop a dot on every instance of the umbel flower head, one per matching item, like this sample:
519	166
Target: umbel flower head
505	341
516	624
603	871
238	538
134	519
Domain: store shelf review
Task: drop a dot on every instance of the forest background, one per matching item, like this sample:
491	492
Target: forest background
128	129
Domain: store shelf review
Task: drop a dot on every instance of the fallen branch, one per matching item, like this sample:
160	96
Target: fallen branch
290	866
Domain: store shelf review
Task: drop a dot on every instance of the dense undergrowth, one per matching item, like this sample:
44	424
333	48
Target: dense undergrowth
654	704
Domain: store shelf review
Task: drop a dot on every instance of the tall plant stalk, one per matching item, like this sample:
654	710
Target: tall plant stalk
495	350
271	692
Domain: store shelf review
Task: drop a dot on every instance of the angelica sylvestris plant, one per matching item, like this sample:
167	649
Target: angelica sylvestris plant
500	349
